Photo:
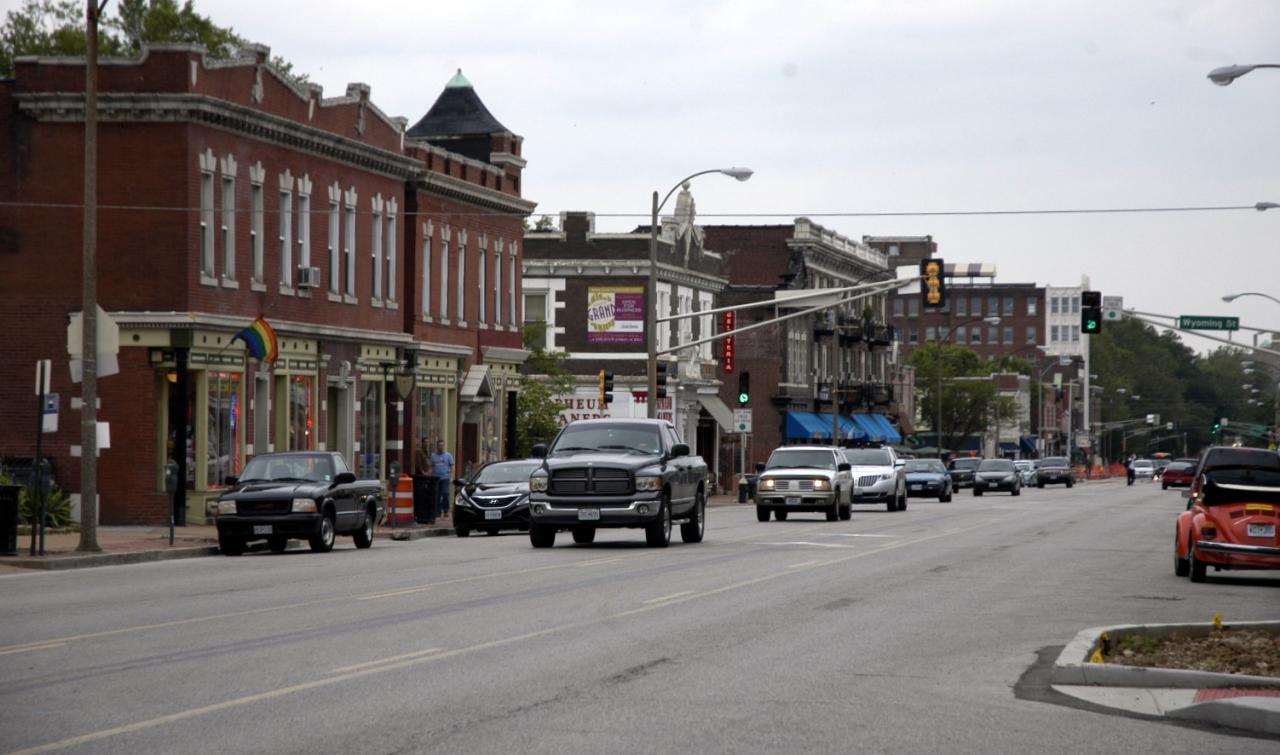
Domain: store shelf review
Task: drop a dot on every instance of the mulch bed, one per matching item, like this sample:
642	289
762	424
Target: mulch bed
1229	651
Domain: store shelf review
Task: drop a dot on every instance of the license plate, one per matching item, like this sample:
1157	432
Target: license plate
793	500
588	515
265	529
498	514
1262	530
917	487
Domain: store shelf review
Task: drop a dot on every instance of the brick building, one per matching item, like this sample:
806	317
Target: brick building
229	192
798	366
589	288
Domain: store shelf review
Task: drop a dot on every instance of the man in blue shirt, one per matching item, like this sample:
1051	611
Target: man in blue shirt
442	468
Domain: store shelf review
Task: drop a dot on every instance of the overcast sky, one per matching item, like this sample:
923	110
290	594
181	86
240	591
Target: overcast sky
874	106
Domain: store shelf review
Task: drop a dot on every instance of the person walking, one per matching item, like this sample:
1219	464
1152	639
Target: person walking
442	465
1128	470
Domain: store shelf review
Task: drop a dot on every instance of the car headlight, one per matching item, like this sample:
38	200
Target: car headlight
226	507
821	483
766	484
886	476
538	484
648	483
304	506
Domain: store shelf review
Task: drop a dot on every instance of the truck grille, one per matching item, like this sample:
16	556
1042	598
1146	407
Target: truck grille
867	480
588	480
256	508
801	485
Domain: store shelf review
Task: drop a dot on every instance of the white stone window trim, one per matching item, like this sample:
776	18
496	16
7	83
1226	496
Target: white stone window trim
284	233
375	254
393	229
257	215
349	199
428	232
335	242
512	297
462	279
497	283
446	236
208	252
228	226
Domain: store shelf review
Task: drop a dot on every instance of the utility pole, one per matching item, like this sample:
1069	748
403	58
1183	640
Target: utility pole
89	291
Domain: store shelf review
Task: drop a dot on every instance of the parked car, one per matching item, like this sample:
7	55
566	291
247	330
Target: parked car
1052	470
997	475
1177	474
1233	510
1143	469
1026	471
962	470
617	473
804	478
495	498
927	478
311	495
879	476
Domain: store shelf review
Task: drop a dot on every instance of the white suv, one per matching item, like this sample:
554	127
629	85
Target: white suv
879	476
804	478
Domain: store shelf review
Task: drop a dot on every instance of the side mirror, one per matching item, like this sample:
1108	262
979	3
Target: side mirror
843	466
900	463
344	478
459	483
230	480
680	449
539	451
759	467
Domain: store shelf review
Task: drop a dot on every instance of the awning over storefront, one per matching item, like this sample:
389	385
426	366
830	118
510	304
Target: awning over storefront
876	427
1008	447
1028	444
716	408
476	386
811	426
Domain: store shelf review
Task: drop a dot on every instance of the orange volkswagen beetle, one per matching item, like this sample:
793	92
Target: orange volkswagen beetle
1232	514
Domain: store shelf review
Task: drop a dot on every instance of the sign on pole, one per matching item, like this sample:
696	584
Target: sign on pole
742	420
1112	308
108	345
1197	322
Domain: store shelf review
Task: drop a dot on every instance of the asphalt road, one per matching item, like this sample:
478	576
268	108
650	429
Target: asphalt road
899	632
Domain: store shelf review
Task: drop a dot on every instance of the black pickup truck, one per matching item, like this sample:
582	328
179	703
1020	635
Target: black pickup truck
617	473
311	495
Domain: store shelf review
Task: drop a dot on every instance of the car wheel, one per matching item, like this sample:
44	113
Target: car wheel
491	531
977	491
1164	485
364	536
846	512
542	536
462	531
780	514
902	502
762	514
693	530
230	546
278	544
833	511
1181	566
891	504
1017	491
322	541
658	534
1070	483
1195	566
945	497
1039	484
584	535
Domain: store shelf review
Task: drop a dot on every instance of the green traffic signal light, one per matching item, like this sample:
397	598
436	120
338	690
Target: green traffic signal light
743	398
1091	326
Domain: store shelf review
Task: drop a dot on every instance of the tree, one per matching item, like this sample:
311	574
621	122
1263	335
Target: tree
546	380
57	27
969	405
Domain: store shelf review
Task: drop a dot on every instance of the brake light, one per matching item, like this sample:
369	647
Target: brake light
1208	530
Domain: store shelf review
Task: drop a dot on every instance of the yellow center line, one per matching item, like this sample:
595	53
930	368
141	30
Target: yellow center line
381	661
669	597
28	648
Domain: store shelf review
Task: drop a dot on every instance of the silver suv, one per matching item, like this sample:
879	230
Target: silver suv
804	478
879	476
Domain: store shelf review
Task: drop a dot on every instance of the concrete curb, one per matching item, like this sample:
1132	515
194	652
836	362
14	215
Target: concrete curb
1246	713
60	563
406	534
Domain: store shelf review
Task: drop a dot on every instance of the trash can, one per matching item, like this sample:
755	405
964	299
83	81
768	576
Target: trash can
746	488
9	519
424	499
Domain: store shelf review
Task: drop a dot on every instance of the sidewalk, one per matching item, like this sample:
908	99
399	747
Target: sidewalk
120	545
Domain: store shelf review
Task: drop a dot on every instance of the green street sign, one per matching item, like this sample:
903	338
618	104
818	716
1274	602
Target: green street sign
1195	322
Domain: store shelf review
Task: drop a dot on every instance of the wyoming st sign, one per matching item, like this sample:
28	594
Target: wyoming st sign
1198	322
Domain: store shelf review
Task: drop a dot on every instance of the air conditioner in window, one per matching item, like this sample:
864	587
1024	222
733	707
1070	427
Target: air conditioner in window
308	277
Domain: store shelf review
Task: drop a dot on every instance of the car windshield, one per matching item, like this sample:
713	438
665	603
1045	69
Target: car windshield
506	472
290	467
868	457
641	439
1243	484
931	466
996	465
788	458
1052	461
966	463
1023	464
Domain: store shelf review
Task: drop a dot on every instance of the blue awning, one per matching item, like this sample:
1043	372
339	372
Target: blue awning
1008	447
807	426
1028	443
891	434
869	428
878	428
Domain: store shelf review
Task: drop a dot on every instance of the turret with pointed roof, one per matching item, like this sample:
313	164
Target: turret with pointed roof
459	122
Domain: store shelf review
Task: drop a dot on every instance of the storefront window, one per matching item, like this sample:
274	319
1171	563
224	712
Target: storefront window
429	419
370	455
224	427
489	440
302	418
179	406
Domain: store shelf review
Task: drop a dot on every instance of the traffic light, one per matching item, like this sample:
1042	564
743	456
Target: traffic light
1090	311
606	388
933	286
661	368
744	388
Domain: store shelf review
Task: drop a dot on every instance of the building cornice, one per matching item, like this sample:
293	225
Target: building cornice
63	107
620	268
503	354
450	186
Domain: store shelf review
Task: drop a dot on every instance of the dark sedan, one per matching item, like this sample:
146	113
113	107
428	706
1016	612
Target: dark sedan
1054	470
495	498
962	471
1177	475
928	478
997	474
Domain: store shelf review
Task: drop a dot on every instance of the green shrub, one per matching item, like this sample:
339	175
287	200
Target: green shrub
57	504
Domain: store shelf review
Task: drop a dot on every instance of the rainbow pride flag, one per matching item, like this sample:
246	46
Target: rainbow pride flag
260	337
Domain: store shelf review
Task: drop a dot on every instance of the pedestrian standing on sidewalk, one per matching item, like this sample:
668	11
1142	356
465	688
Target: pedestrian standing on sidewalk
442	468
422	461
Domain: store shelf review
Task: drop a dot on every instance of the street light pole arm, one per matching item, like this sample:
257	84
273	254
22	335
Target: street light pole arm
681	182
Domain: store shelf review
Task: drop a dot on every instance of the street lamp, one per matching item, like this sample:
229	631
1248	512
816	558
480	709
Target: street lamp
1233	297
937	426
651	309
1227	74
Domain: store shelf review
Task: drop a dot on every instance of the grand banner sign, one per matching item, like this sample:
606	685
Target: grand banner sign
615	315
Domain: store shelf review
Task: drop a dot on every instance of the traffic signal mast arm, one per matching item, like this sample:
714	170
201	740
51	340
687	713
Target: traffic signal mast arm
1145	317
881	288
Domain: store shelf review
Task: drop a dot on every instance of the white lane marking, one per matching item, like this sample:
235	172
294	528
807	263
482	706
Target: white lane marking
803	563
391	659
859	534
672	596
394	593
816	545
27	648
